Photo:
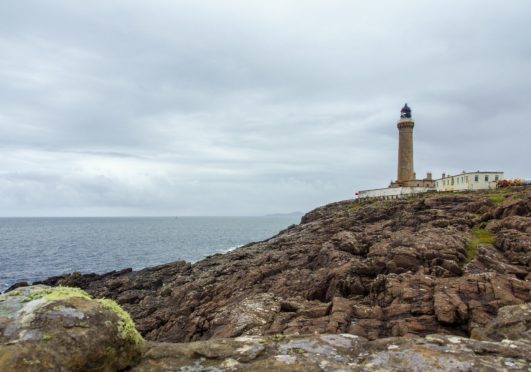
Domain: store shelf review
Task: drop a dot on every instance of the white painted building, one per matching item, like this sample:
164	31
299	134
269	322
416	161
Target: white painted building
407	183
479	180
468	181
391	192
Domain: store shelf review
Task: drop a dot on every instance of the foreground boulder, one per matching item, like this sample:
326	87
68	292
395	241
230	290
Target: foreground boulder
63	329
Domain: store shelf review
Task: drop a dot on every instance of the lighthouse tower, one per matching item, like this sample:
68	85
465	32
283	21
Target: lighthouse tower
405	146
406	182
406	176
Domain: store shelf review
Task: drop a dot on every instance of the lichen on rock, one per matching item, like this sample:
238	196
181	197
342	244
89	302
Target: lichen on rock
126	326
44	328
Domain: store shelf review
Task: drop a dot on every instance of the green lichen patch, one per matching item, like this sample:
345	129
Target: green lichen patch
479	236
47	337
295	351
126	326
277	337
57	293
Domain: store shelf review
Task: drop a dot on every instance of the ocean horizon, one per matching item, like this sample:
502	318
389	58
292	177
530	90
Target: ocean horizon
35	248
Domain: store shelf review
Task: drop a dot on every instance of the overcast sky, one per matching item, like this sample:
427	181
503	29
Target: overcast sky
251	107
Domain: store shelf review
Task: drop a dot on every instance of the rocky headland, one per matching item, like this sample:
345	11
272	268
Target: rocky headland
378	284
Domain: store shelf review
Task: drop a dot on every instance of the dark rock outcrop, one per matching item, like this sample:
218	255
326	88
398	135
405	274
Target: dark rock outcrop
381	269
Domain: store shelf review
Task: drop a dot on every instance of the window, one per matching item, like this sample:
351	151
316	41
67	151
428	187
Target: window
496	178
466	179
476	178
458	180
486	178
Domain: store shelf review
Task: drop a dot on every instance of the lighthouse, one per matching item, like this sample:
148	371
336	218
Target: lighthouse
406	176
405	146
407	184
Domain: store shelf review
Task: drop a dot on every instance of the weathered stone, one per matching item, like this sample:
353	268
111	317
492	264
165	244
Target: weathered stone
436	352
62	329
511	323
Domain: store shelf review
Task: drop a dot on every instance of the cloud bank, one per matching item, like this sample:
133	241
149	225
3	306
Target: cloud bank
250	107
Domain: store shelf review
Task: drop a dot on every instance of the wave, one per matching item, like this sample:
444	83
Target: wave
226	250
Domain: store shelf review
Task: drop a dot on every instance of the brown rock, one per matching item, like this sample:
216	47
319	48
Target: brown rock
511	323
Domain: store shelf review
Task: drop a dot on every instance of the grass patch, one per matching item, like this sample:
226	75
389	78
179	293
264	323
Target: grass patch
479	236
355	206
497	198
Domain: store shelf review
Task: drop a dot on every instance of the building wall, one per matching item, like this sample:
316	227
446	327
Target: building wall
392	193
461	182
414	183
469	181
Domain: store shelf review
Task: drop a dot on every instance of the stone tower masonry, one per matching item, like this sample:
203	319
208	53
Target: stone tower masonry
405	146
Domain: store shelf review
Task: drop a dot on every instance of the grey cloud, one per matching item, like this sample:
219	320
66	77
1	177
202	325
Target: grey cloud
250	107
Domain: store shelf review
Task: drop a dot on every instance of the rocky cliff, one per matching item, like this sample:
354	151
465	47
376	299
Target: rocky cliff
437	263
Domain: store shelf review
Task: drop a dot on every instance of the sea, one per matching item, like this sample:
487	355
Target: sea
33	249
